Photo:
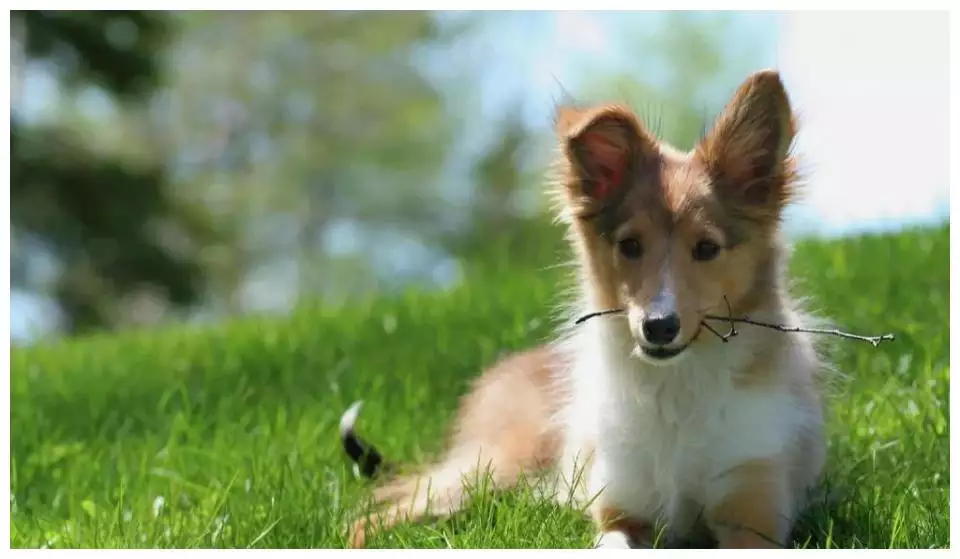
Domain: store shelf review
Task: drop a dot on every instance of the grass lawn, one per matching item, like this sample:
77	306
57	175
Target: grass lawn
225	437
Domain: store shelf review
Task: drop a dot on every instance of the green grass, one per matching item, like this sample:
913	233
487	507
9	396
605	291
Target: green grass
233	427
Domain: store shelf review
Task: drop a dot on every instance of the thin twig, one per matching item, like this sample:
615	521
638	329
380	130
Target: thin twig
733	321
733	327
874	340
722	337
588	316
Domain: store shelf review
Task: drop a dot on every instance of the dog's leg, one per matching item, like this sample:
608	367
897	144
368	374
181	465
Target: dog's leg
619	531
750	507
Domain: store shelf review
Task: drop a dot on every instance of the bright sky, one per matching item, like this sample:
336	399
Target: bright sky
874	109
872	89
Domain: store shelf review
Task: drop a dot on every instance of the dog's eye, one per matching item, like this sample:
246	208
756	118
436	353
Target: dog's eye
630	248
705	250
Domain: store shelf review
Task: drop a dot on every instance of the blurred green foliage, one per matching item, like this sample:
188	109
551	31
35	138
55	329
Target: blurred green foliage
236	144
96	213
198	165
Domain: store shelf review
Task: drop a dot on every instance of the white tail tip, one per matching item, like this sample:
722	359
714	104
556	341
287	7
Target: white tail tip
349	418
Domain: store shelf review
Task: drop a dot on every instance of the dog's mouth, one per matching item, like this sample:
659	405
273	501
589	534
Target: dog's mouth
661	353
665	352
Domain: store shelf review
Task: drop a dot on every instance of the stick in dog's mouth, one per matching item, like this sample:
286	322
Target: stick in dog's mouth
873	340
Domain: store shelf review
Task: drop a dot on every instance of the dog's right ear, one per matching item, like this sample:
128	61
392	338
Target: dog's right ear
603	147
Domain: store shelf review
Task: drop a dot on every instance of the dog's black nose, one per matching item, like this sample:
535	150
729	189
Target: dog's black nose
661	330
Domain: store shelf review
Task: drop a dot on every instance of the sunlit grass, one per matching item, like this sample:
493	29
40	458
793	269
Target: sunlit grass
225	437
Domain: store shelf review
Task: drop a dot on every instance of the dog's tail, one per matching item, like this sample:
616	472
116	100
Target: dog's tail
437	491
504	430
366	459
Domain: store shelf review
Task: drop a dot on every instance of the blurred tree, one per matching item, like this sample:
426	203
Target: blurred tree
293	154
506	223
315	142
108	222
322	141
319	138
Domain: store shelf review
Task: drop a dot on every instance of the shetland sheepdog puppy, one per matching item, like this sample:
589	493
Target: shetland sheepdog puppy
665	432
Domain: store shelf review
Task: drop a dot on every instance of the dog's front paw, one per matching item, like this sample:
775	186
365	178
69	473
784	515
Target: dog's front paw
613	540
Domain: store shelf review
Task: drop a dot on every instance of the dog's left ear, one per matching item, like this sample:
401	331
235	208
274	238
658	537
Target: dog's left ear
747	152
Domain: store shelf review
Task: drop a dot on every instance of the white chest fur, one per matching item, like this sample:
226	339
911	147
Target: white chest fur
664	436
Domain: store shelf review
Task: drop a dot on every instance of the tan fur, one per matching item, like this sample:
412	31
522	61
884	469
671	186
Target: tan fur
615	181
752	514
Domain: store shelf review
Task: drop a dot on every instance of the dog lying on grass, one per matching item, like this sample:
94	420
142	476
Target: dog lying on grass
672	428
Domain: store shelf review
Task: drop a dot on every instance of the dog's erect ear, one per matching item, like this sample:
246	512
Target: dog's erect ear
603	145
747	151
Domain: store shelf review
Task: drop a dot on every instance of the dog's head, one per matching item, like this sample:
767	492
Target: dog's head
672	236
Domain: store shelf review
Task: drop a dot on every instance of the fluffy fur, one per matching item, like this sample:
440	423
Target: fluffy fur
685	436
